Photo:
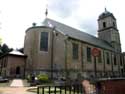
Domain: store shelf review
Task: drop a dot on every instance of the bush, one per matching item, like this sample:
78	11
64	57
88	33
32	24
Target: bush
28	78
43	78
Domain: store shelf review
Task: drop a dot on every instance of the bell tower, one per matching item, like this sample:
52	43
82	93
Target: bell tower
108	31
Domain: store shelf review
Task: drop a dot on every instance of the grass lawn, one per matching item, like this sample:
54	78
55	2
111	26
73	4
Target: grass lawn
5	84
46	91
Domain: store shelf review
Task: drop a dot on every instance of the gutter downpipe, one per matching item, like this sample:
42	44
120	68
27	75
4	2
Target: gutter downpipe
66	70
104	62
52	50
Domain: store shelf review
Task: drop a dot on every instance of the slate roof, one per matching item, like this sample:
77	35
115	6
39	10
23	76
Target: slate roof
16	53
106	14
77	34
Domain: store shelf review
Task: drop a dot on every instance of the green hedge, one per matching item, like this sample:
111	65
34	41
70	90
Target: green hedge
43	78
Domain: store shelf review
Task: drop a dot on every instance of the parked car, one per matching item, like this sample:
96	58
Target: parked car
60	81
2	79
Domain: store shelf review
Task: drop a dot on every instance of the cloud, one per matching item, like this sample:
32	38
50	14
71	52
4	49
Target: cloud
63	8
89	25
76	13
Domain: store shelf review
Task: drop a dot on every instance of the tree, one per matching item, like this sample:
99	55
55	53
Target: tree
4	49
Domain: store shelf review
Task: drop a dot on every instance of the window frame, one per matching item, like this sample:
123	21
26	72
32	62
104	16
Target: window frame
100	57
75	51
46	41
115	61
88	51
107	58
104	24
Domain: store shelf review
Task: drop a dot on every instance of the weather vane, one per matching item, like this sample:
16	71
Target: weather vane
106	1
46	12
105	9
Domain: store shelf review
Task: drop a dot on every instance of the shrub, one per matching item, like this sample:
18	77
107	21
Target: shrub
28	78
43	78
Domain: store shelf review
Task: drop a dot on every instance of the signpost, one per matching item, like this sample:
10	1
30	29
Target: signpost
95	53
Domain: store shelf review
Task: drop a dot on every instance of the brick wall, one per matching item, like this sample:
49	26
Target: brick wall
112	86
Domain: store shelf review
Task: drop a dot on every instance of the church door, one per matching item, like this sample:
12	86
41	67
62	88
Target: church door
18	70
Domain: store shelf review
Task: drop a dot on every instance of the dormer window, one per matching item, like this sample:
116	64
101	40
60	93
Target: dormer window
104	24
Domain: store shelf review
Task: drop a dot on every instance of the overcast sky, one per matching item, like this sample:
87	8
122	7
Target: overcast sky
18	15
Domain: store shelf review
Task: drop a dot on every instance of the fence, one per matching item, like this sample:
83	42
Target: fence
65	89
106	86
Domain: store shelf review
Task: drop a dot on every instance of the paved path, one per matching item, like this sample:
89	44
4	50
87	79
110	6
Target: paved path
14	90
17	83
16	87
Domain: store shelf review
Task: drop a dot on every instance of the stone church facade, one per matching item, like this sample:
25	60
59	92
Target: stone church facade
62	51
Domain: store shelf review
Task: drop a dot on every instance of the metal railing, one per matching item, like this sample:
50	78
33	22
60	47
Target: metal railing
60	89
101	86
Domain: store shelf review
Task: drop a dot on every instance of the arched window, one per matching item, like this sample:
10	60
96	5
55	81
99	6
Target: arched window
100	57
44	41
75	48
88	54
108	56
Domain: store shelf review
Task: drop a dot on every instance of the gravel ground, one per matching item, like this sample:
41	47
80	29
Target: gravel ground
14	90
17	86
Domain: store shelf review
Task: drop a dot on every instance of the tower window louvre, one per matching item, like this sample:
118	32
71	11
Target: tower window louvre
113	23
104	24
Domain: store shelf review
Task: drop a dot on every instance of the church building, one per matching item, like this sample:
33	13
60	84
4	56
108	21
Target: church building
61	51
12	65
